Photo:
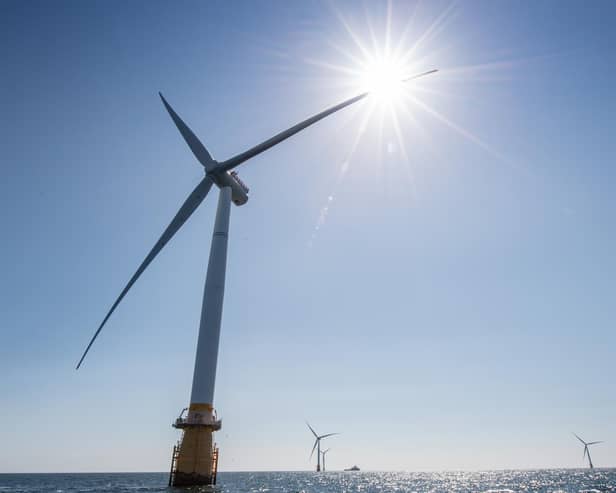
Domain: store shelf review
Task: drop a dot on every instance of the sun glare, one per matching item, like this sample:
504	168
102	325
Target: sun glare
383	78
386	65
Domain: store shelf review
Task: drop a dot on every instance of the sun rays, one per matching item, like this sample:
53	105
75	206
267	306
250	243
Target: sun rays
379	54
378	61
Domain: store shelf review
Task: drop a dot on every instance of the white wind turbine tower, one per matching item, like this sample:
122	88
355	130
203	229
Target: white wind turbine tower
323	454
586	450
195	460
317	445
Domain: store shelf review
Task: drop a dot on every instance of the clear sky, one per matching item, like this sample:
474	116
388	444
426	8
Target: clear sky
440	290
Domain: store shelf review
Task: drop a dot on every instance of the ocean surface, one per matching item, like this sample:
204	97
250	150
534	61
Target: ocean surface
554	480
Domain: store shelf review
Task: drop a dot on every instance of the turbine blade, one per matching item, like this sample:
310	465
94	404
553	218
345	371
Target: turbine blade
328	435
579	439
585	452
313	432
191	139
593	443
423	74
278	138
192	202
316	442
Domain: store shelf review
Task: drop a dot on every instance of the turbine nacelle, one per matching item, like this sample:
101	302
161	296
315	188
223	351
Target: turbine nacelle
239	190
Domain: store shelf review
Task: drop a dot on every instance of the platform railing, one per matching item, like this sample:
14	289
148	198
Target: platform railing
198	420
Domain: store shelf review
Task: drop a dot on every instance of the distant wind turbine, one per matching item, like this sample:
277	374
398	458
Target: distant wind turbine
323	454
317	445
586	451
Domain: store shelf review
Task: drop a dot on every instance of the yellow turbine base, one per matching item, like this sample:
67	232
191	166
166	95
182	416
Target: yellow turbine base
198	407
195	463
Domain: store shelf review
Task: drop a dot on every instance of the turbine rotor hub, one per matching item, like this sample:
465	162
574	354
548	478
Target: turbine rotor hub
239	190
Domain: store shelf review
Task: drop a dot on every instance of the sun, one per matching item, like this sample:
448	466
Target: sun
382	66
383	78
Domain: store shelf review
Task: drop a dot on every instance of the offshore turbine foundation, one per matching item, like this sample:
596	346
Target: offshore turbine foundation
195	458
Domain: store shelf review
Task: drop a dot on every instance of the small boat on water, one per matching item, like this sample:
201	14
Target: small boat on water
354	468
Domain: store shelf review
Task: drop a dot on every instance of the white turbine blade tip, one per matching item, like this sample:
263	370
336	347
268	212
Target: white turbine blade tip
314	447
195	145
423	74
329	435
312	430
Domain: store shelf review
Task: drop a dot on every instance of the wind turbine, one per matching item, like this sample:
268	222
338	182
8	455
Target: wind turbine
586	450
194	462
317	445
323	454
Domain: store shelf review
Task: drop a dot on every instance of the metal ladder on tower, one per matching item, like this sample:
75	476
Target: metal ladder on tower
214	464
174	463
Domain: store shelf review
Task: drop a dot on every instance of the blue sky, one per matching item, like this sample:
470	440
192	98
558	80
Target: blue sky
453	310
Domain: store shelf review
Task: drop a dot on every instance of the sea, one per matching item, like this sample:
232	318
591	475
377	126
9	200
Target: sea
547	480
